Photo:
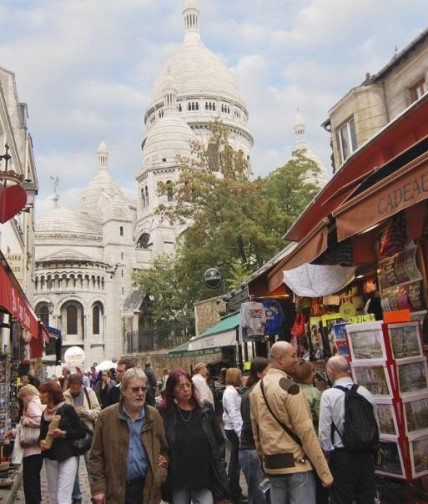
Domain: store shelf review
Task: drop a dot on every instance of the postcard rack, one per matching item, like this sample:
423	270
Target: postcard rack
388	360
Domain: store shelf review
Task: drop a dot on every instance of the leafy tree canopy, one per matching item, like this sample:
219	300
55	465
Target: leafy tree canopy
232	223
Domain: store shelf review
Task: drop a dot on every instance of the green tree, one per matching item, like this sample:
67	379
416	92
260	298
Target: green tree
228	218
288	186
161	284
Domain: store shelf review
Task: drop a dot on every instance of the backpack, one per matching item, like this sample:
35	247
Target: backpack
361	432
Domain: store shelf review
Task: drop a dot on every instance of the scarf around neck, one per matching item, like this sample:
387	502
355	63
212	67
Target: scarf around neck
49	413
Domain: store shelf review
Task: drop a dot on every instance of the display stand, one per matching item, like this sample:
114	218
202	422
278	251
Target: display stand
388	360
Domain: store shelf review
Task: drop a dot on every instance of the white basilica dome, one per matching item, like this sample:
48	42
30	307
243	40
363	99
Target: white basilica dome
195	71
68	222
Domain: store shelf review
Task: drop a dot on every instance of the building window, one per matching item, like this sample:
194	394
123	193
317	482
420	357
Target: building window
417	90
147	196
121	230
347	139
143	241
42	312
96	320
143	198
169	191
71	319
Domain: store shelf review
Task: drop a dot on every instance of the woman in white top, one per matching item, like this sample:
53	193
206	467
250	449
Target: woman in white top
232	420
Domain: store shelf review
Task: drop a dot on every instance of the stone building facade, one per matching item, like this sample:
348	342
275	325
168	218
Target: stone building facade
367	108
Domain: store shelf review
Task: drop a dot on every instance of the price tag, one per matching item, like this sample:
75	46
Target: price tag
359	319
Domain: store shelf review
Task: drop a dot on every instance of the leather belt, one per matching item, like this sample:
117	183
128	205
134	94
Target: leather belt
135	481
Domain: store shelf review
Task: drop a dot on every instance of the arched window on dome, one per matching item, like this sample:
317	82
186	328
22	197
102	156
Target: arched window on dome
213	106
96	315
169	191
42	312
193	106
189	107
71	319
179	107
143	199
197	106
147	195
121	230
206	106
144	241
213	157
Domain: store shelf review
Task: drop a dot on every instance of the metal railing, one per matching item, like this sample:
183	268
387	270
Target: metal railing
161	337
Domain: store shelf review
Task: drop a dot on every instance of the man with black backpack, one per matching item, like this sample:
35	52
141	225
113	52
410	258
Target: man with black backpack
349	435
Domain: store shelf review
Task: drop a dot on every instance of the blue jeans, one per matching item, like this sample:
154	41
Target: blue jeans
250	465
77	494
185	496
294	488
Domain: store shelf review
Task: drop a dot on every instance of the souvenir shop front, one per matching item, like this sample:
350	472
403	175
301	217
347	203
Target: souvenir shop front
23	339
358	279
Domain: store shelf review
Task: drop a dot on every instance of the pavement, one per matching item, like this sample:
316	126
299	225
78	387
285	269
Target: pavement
84	484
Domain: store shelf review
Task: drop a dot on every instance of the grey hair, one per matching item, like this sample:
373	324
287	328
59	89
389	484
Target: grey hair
129	374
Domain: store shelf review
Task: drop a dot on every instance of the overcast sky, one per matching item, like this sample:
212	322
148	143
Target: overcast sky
86	69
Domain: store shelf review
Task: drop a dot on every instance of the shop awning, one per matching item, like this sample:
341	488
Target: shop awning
404	188
14	301
221	334
306	251
316	280
183	350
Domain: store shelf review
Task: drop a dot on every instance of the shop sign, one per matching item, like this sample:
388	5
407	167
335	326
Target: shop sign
212	278
16	264
74	356
359	319
401	190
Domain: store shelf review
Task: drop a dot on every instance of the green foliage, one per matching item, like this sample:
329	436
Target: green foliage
238	273
232	223
161	284
287	186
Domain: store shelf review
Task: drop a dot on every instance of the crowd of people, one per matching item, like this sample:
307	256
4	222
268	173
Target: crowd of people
285	436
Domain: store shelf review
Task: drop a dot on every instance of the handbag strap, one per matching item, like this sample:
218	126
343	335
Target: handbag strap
87	397
293	436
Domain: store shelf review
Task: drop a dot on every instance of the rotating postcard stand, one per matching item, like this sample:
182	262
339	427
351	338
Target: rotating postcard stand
388	360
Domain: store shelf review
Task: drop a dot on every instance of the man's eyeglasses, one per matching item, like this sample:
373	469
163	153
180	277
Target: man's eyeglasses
137	389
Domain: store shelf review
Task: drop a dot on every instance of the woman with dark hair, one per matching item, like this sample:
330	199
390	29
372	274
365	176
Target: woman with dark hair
196	444
248	458
103	387
60	462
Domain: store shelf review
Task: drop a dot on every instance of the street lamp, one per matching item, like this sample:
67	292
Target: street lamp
31	189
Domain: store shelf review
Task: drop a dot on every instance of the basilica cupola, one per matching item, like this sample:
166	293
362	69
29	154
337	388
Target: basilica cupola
191	20
102	154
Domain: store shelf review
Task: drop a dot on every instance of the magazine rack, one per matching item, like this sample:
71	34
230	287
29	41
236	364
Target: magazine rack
388	360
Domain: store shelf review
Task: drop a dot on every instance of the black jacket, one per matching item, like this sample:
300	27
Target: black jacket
70	422
216	442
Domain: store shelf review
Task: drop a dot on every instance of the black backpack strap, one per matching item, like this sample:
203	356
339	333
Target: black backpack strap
287	429
87	397
333	426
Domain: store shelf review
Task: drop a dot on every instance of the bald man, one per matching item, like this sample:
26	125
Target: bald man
353	472
288	460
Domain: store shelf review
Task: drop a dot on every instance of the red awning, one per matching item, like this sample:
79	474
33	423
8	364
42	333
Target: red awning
13	299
